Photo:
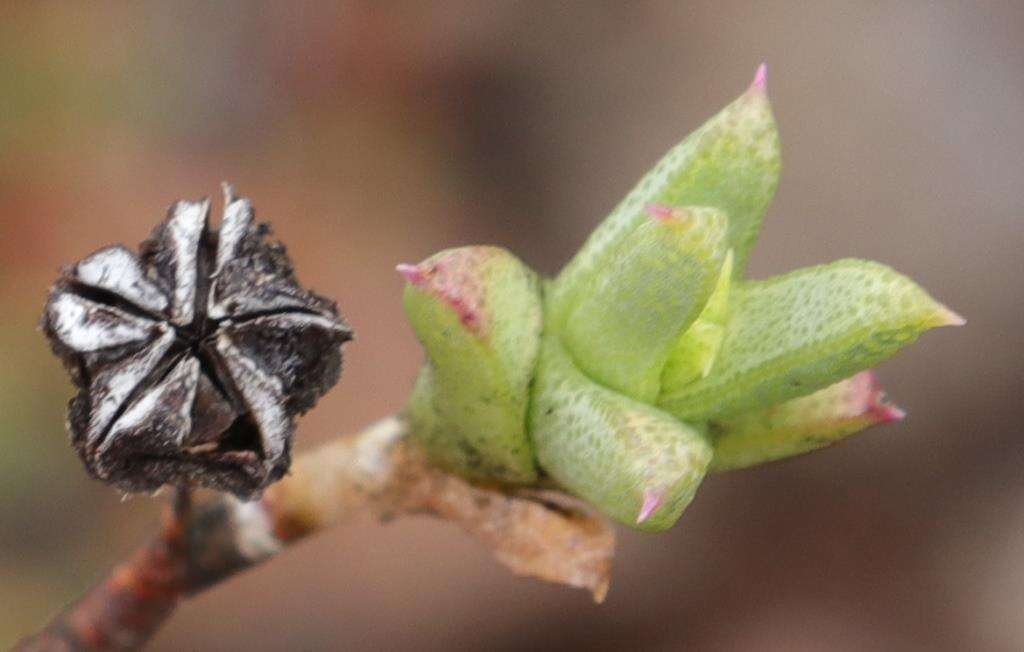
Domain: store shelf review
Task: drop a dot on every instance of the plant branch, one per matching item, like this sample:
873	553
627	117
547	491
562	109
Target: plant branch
379	472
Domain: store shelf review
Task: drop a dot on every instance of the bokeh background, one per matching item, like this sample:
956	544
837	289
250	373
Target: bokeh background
373	133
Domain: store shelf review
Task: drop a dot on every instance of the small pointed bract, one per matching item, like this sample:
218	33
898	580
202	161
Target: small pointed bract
635	463
794	334
802	424
695	351
730	163
630	314
477	312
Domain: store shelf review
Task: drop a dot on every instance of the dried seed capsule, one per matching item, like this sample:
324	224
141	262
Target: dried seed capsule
192	359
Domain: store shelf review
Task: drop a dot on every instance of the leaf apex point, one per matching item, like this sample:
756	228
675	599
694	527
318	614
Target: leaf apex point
652	501
412	273
876	404
760	83
951	318
885	412
659	211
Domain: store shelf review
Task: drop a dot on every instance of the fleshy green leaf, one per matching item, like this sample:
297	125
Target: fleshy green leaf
630	314
800	425
694	353
731	163
635	463
797	333
477	312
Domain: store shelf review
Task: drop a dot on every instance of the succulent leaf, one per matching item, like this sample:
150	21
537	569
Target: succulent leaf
802	424
422	414
477	312
634	462
630	314
794	334
731	163
695	351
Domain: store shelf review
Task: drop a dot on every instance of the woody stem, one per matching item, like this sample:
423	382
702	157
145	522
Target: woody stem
208	538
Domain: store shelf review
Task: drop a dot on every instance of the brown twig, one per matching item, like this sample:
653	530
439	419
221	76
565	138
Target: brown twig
543	534
124	610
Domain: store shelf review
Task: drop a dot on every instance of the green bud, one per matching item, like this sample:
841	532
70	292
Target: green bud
656	360
477	312
794	334
635	463
730	163
802	424
694	353
631	314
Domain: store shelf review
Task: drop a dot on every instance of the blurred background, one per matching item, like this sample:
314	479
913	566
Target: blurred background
373	133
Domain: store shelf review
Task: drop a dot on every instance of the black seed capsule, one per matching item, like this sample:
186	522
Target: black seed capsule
193	358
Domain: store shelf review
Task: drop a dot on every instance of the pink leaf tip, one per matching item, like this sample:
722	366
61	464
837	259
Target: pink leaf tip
652	501
875	404
952	319
659	211
412	273
760	83
454	278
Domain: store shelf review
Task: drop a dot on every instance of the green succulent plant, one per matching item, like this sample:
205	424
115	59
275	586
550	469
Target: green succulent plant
651	359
